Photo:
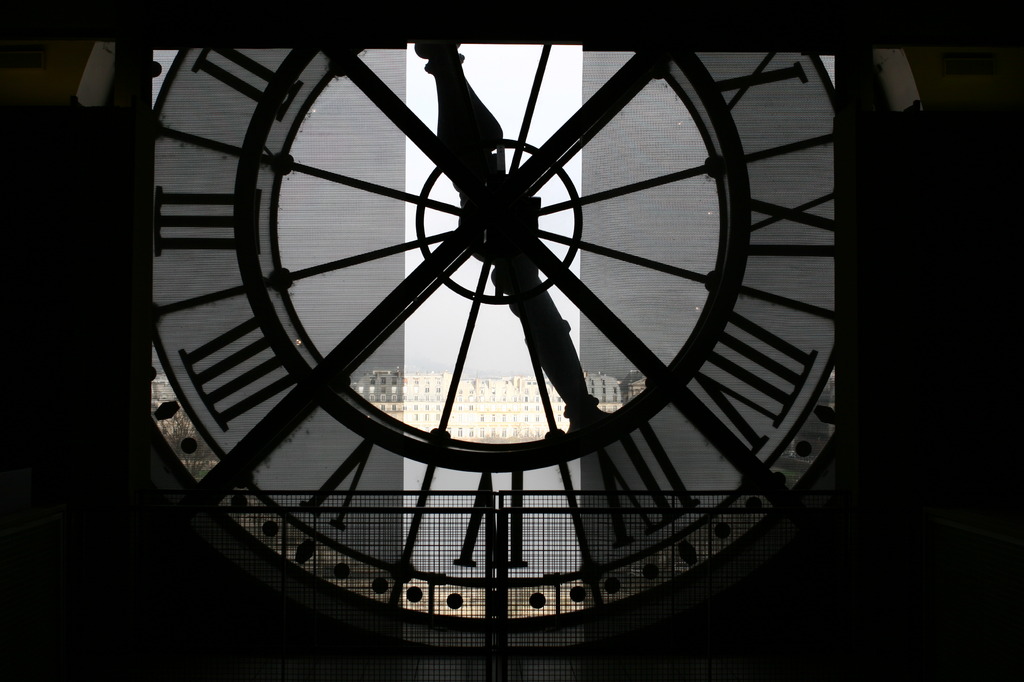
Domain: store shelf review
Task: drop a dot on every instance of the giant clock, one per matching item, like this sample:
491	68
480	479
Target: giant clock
343	286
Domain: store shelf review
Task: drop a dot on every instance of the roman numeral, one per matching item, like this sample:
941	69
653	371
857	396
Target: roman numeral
354	464
653	470
194	220
799	215
223	64
484	500
754	369
760	76
484	504
235	365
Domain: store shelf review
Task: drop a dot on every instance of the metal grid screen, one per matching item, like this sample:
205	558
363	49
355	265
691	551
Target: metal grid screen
292	604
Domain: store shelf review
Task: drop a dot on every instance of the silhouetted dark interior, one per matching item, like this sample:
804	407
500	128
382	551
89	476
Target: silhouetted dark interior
922	582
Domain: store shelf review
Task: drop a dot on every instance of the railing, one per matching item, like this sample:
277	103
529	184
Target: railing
505	577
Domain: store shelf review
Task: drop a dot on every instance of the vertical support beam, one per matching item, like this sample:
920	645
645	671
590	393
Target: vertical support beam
854	94
133	85
497	539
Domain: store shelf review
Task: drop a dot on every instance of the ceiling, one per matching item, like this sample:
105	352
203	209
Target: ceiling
58	74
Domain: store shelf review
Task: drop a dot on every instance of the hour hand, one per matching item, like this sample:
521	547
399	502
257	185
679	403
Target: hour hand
464	124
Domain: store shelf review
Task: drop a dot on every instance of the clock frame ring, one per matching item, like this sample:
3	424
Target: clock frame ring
723	284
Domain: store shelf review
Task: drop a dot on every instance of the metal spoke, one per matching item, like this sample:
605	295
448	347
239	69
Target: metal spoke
755	473
797	214
643	358
789	148
626	189
199	141
198	300
531	105
625	257
405	563
298	403
590	305
467	337
315	172
658	374
531	347
820	311
428	275
589	120
407	312
368	256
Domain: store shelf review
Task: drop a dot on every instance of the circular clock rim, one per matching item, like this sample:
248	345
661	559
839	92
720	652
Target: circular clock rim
505	299
439	448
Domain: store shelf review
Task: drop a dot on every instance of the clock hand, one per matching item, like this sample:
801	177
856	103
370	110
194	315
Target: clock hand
466	125
463	122
600	108
392	106
660	375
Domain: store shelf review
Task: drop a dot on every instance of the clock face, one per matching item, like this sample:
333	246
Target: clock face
607	276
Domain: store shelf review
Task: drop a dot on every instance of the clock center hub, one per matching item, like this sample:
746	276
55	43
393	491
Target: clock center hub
520	218
499	225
